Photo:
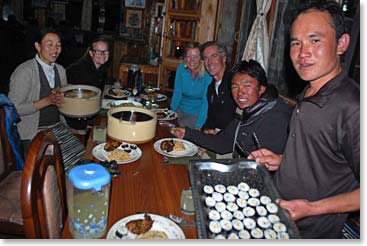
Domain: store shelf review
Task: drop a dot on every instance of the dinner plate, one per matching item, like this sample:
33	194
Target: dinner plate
121	93
161	97
158	97
190	148
110	103
160	223
170	114
102	155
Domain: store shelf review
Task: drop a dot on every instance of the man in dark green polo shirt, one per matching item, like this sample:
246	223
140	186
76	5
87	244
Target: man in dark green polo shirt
318	175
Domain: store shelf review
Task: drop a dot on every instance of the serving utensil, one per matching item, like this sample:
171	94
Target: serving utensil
180	221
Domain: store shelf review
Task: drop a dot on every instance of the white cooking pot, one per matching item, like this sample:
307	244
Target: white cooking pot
131	124
81	101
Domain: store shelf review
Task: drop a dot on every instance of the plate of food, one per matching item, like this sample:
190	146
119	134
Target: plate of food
161	97
157	96
109	103
145	226
121	152
175	147
166	114
118	93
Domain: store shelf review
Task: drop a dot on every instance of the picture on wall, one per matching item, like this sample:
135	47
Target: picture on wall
158	9
135	3
134	18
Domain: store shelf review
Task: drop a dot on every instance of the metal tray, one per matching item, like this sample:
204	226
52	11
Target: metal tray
231	172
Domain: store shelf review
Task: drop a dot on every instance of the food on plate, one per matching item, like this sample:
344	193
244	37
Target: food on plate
179	146
161	115
119	155
111	145
172	145
113	104
167	145
140	226
118	93
121	231
153	235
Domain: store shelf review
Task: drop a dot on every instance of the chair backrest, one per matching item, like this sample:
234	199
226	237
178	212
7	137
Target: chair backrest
43	193
7	158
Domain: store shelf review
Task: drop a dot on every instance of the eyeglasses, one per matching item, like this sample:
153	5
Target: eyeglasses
101	52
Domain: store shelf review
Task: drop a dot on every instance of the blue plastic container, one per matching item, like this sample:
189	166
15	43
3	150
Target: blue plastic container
88	189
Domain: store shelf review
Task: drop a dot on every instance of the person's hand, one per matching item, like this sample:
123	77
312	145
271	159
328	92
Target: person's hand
297	209
201	151
56	97
179	132
210	131
266	157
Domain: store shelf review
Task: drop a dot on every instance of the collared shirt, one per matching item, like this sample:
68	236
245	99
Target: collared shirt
48	70
322	157
217	84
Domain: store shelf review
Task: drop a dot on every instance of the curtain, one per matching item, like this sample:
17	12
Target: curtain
280	71
257	46
86	20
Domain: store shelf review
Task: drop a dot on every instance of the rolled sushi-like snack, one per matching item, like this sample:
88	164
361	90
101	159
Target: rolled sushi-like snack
208	189
214	226
214	215
261	210
272	208
220	188
273	218
254	192
226	225
232	189
244	234
249	223
257	233
243	186
265	200
270	234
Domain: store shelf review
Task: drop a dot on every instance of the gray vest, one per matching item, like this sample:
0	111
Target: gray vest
49	115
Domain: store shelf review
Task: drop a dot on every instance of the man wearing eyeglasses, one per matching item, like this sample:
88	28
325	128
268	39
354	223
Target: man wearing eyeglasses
91	69
261	118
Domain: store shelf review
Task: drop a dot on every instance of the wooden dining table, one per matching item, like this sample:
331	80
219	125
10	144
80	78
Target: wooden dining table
146	185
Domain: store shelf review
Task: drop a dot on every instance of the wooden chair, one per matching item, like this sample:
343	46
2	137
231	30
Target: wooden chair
11	221
43	193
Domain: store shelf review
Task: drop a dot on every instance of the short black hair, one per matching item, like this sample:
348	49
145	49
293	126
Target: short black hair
252	68
43	32
332	7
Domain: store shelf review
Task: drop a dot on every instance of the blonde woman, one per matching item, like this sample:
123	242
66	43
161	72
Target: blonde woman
91	69
189	98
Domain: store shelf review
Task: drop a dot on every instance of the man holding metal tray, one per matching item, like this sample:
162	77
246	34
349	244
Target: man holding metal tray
319	173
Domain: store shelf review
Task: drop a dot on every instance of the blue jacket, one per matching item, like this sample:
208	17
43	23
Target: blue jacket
11	120
190	95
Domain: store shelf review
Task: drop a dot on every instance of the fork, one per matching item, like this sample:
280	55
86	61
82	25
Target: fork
180	221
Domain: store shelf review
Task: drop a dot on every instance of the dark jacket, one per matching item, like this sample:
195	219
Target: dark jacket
221	107
84	72
268	118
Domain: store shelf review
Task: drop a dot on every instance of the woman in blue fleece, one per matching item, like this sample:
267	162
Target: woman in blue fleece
191	83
